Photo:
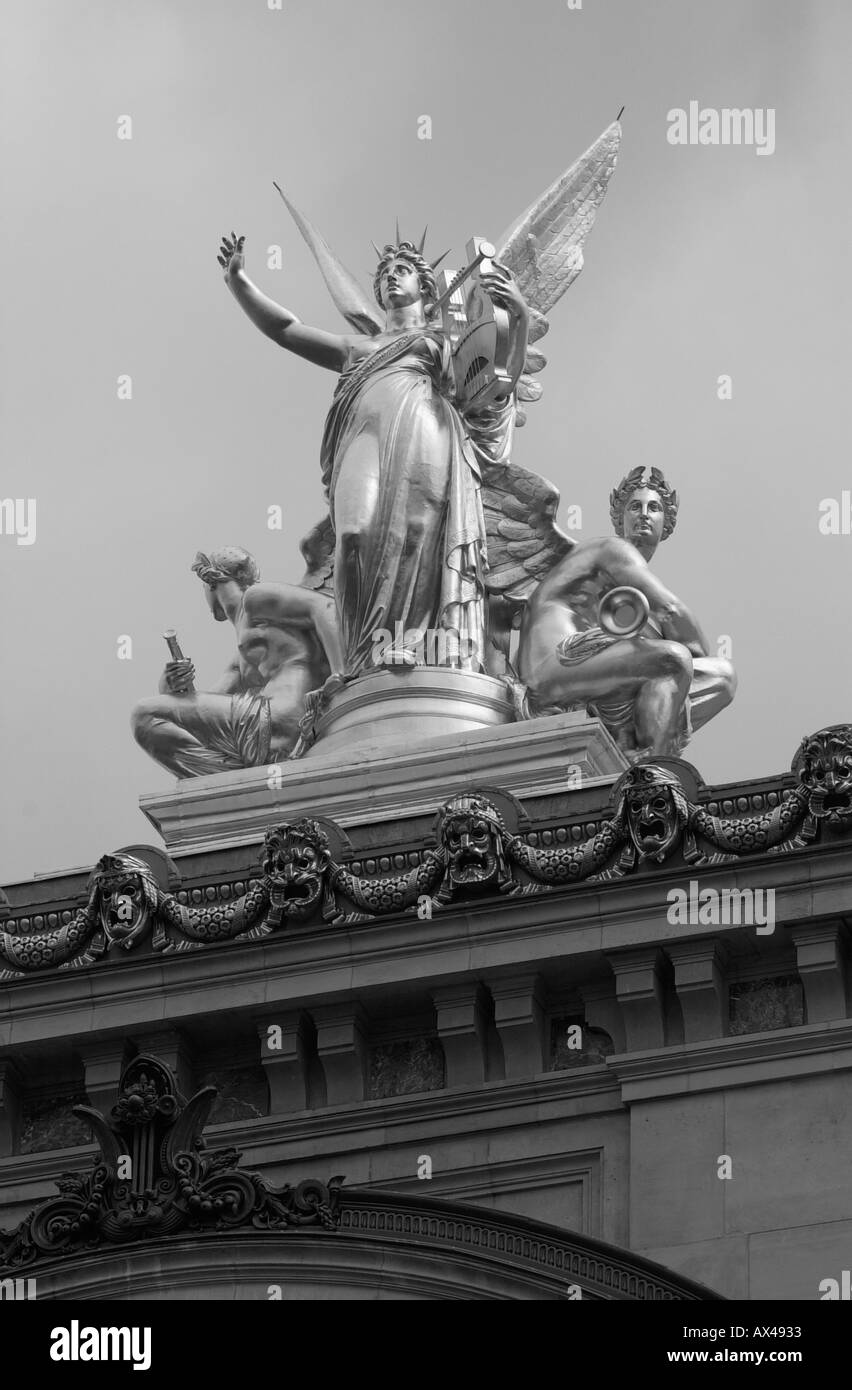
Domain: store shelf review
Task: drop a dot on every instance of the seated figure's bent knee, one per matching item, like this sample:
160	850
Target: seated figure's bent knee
674	659
729	682
144	715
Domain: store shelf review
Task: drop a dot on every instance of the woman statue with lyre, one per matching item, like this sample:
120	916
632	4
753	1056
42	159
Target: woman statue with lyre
428	515
400	461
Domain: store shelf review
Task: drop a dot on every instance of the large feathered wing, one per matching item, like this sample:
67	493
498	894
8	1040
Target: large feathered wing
524	542
544	251
544	248
355	306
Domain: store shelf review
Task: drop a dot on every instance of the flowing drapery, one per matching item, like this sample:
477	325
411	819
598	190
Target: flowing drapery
401	468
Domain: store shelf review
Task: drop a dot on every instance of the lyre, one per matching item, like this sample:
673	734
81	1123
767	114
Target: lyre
478	330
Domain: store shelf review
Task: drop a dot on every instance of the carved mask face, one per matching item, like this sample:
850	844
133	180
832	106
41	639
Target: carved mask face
652	820
824	767
125	907
297	868
470	843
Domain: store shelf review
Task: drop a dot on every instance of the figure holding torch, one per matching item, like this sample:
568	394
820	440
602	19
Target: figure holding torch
179	675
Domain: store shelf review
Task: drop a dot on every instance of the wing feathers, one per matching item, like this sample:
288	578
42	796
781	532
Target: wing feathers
524	541
544	249
529	390
545	246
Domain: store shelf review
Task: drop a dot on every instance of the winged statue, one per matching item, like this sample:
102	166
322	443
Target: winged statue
430	521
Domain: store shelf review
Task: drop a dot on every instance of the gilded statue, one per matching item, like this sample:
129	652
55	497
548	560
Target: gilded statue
429	517
287	644
432	527
651	687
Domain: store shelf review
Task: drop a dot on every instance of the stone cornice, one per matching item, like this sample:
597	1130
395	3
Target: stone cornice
775	871
722	1063
308	964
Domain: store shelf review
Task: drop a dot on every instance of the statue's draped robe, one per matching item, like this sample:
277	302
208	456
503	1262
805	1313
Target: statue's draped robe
402	472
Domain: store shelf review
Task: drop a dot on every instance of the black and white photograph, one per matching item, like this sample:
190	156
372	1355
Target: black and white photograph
426	715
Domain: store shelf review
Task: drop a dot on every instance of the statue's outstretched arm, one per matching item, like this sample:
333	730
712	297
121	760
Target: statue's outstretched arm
325	349
677	622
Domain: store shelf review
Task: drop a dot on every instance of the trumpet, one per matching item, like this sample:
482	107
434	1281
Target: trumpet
623	611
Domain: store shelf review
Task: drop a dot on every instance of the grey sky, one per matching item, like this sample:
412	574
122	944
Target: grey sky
704	261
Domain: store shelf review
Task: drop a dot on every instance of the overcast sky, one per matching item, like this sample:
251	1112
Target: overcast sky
704	260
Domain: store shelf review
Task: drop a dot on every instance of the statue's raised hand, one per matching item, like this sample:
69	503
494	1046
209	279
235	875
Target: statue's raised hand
230	256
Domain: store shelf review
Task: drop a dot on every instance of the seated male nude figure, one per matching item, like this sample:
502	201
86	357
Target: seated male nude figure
651	690
287	644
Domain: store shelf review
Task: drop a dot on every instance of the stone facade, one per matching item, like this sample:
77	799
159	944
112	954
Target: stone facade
557	1043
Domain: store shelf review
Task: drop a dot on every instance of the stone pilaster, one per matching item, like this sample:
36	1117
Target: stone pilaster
822	968
285	1060
701	990
343	1052
639	988
519	1017
462	1015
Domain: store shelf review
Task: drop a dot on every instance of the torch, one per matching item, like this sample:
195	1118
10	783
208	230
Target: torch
176	654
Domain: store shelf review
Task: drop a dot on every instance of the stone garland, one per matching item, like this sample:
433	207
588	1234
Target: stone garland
477	854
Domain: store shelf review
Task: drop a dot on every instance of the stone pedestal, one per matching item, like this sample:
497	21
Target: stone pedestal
389	778
409	706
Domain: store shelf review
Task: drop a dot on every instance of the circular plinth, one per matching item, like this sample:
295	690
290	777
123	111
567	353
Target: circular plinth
411	706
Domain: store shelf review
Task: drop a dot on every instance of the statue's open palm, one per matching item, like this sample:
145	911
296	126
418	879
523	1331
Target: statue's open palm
230	256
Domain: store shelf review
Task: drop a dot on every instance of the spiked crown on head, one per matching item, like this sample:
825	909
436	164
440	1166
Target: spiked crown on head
413	255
